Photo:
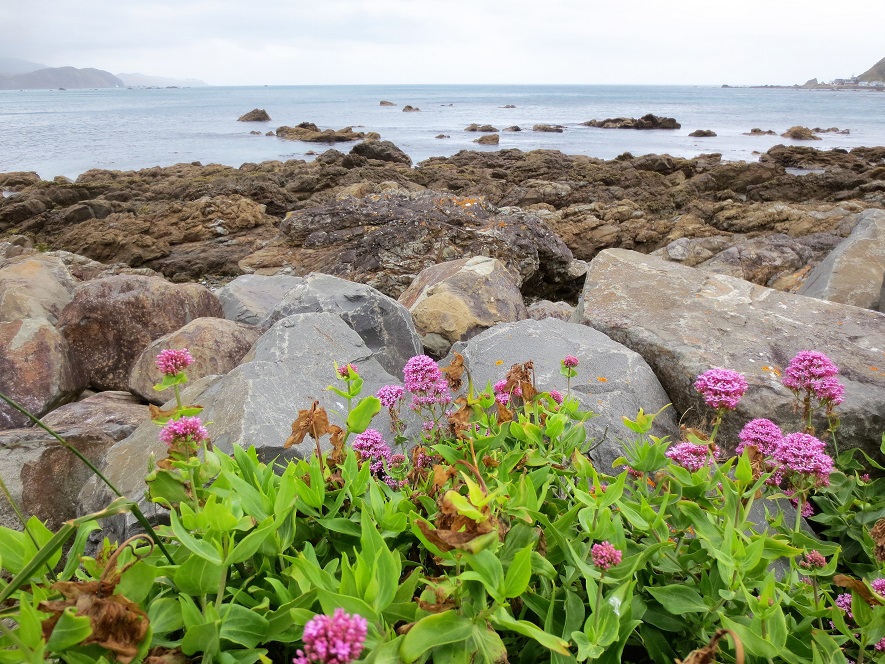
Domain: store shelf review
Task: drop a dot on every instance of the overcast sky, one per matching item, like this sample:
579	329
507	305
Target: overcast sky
279	42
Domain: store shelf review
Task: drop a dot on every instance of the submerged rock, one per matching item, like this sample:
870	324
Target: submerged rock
648	121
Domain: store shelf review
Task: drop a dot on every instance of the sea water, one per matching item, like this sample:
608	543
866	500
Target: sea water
66	132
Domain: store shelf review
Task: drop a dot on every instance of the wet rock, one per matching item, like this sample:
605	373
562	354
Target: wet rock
410	109
756	131
798	133
512	128
382	151
476	127
255	115
648	121
217	346
386	103
557	129
310	133
489	139
702	133
110	321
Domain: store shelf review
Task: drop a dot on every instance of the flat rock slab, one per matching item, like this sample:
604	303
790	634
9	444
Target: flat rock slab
34	286
684	321
250	297
612	380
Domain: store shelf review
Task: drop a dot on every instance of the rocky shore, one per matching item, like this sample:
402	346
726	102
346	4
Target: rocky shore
648	268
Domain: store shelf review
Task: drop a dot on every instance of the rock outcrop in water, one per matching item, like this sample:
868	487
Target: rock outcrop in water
647	121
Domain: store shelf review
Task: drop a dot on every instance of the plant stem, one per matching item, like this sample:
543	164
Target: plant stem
598	600
716	423
139	516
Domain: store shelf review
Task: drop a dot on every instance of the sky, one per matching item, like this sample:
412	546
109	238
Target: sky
294	42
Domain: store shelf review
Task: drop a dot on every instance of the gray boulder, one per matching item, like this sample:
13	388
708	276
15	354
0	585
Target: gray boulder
684	321
250	297
384	325
612	380
34	286
853	272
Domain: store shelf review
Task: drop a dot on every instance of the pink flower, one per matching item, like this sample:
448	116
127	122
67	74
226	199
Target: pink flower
556	396
688	455
570	361
500	387
344	371
332	640
389	395
763	434
421	374
721	388
372	448
605	556
502	398
807	367
828	390
805	455
843	601
879	586
183	430
172	361
880	646
813	560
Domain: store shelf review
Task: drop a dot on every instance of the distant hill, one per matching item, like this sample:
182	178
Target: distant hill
61	77
141	80
874	73
13	66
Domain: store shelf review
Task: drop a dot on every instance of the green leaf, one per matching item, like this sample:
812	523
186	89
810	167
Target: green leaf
137	581
247	546
202	548
77	549
202	638
197	576
432	631
70	630
519	573
679	599
361	415
165	615
504	620
242	626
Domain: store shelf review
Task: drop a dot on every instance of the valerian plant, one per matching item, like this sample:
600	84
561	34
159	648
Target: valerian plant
489	536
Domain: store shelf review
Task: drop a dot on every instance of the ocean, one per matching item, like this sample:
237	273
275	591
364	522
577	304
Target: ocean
66	132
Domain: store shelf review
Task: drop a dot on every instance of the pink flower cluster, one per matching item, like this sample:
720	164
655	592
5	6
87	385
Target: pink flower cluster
423	378
338	639
813	560
605	556
721	388
764	434
804	455
344	370
172	361
390	395
688	455
570	361
373	448
814	373
183	430
556	395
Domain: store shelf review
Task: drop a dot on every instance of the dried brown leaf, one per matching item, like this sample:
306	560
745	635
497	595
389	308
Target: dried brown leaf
504	415
878	535
707	654
313	421
859	587
455	372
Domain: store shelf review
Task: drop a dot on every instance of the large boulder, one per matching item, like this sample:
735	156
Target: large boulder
43	477
612	380
684	321
250	297
384	325
384	240
853	272
217	346
110	322
381	151
35	370
457	300
34	286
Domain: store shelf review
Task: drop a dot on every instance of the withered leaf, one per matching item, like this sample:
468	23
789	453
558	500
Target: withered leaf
337	455
441	475
878	535
313	421
158	413
460	419
437	607
528	390
455	372
504	415
858	587
161	655
707	654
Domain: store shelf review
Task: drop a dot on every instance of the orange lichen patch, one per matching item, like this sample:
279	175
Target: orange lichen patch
498	363
874	368
602	379
773	371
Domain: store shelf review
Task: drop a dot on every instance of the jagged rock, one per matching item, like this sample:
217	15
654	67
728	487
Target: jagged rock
512	128
410	109
442	136
16	180
476	127
853	273
384	325
488	139
556	129
255	115
110	321
35	370
385	240
113	412
16	211
703	133
798	133
34	286
310	133
756	131
249	298
14	246
455	301
217	346
647	121
382	151
546	309
612	380
386	103
684	321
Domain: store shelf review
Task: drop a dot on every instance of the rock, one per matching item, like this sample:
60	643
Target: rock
15	212
410	109
249	298
17	180
756	131
35	370
382	151
684	321
854	272
613	381
255	133
513	128
509	106
15	245
384	325
488	139
255	115
386	103
286	370
557	129
831	130
798	133
113	412
442	136
648	121
217	346
34	286
702	133
110	321
385	240
546	309
455	301
310	133
476	127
